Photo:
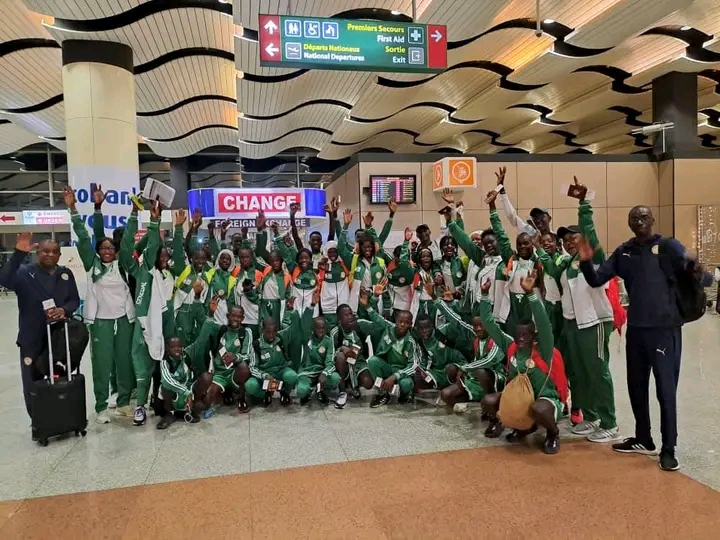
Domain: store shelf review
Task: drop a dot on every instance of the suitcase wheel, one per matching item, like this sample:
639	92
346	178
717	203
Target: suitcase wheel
43	442
81	432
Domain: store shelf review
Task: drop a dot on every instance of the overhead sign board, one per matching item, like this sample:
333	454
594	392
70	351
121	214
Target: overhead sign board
454	173
360	45
46	217
240	203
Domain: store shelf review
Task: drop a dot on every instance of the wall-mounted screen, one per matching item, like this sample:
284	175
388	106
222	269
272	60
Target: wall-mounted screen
401	188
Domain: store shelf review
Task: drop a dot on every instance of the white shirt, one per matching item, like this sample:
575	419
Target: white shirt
111	293
270	289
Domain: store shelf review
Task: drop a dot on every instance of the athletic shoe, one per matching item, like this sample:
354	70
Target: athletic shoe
124	411
267	400
166	421
285	399
405	398
586	428
112	402
355	392
305	400
576	417
341	400
668	462
460	408
379	400
604	435
631	445
242	406
494	429
322	398
102	418
551	444
140	416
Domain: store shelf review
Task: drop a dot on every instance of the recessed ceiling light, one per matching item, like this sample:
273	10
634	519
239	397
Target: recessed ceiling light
548	21
224	1
685	28
396	13
240	74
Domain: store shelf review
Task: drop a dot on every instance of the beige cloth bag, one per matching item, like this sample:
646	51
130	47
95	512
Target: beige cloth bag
516	402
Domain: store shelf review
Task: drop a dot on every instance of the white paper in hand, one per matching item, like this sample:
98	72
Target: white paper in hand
156	190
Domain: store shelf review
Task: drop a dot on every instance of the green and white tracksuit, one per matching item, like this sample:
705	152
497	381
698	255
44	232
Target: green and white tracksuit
400	274
110	312
335	287
222	284
189	308
274	290
486	354
148	341
522	361
394	356
236	341
318	358
588	323
553	300
272	360
422	301
250	301
435	357
303	282
365	274
177	376
510	306
356	338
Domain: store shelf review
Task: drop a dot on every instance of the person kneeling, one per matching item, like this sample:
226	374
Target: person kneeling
393	364
270	366
181	393
537	386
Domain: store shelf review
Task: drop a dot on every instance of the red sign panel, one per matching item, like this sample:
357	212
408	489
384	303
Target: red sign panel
437	46
269	39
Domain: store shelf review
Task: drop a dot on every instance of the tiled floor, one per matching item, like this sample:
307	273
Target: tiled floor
120	455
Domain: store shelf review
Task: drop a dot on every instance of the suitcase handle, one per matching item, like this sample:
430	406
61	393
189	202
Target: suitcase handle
51	360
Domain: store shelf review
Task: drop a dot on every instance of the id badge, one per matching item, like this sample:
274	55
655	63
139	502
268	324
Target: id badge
428	378
378	382
222	352
351	360
319	387
48	304
266	384
395	390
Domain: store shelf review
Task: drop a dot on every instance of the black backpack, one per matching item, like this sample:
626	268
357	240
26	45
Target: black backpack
689	293
79	338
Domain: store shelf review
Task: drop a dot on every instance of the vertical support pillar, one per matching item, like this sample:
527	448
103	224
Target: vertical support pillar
101	126
180	182
675	99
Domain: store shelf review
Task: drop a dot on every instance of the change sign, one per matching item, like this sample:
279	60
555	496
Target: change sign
361	45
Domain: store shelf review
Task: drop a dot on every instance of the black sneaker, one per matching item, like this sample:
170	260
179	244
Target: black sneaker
285	399
517	435
494	429
379	400
355	392
551	444
668	461
405	398
166	421
322	398
305	400
228	398
631	445
267	400
242	406
194	418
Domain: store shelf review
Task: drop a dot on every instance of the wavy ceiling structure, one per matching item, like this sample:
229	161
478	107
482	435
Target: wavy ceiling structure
582	85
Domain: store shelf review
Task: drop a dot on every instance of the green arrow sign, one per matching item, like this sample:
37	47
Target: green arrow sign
362	45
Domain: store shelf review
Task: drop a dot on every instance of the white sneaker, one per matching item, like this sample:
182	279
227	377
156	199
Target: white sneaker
102	418
460	408
586	428
341	400
112	402
124	411
604	435
140	416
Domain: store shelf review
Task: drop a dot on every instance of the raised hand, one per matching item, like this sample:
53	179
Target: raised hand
275	227
243	232
448	295
24	242
528	282
196	219
224	226
368	220
578	190
69	197
500	176
429	286
323	264
408	234
392	206
485	287
213	304
364	298
379	289
316	295
156	211
261	221
347	217
98	195
335	204
490	198
180	217
448	196
294	208
211	227
198	287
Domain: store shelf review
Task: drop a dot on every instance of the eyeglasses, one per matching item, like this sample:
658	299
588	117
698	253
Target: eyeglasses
106	248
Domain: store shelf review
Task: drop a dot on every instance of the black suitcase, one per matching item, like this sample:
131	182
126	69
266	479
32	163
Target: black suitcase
59	406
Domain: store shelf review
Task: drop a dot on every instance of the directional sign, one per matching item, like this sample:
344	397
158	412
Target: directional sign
360	45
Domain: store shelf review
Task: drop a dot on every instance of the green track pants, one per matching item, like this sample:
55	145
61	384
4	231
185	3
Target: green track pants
143	365
110	346
588	353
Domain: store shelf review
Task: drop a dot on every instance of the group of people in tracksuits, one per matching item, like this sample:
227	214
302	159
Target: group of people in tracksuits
239	322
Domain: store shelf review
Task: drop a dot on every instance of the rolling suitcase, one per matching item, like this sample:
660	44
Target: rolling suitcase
59	406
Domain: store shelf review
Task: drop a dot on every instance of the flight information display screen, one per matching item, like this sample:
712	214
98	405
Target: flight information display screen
401	188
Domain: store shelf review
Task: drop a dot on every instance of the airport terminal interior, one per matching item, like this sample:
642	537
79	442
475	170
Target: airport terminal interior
399	126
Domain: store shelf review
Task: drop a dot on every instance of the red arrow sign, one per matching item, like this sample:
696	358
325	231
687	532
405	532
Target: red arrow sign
437	46
269	40
5	218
